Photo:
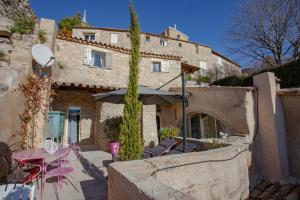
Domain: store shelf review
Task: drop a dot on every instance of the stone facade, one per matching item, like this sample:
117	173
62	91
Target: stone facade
70	55
191	52
13	72
13	9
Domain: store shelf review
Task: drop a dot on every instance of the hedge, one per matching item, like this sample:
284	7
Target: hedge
289	74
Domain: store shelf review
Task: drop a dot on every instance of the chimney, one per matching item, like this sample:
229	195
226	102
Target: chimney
175	26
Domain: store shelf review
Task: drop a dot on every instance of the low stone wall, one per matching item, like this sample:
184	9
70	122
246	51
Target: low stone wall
290	99
214	174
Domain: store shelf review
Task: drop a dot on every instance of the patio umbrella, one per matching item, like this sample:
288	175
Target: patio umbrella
147	95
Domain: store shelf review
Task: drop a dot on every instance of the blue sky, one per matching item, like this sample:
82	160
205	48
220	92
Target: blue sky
204	21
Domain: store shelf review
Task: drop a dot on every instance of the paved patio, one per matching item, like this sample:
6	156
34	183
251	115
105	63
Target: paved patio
89	177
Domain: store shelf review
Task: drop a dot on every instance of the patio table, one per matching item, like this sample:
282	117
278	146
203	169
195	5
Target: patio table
38	154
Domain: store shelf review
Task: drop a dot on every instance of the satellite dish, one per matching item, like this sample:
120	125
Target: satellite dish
42	55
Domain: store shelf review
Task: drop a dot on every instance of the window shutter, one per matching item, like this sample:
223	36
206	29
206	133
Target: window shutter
165	66
114	38
108	60
87	54
203	65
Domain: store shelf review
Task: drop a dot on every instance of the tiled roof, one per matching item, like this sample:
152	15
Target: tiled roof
116	48
275	191
146	33
58	84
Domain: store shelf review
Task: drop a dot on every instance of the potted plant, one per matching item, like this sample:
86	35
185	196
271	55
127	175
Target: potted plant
112	131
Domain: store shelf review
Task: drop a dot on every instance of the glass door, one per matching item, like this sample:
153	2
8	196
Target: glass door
74	119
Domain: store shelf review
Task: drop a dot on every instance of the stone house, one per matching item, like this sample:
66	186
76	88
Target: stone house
96	60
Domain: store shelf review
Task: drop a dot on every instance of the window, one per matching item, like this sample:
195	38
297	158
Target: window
147	38
220	61
203	68
197	49
180	44
163	42
114	38
89	36
128	35
178	37
156	66
98	59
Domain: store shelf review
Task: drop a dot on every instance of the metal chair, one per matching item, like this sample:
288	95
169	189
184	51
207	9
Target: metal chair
58	169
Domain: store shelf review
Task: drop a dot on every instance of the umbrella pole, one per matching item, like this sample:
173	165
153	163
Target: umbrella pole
183	110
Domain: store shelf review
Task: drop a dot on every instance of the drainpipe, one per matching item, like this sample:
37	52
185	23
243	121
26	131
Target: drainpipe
183	110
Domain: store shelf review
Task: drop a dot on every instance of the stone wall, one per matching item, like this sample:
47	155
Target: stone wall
220	174
72	70
93	117
13	9
13	71
67	98
290	99
191	52
234	107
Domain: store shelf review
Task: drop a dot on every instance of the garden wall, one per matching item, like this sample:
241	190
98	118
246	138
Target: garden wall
173	176
290	99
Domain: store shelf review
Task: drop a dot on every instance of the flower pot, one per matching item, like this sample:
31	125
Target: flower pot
114	147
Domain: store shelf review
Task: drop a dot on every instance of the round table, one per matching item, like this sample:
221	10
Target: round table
38	154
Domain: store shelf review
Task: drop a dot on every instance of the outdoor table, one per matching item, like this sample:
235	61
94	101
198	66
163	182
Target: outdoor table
38	154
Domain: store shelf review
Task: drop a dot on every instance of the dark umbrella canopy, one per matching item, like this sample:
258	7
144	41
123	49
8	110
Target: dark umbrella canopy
147	95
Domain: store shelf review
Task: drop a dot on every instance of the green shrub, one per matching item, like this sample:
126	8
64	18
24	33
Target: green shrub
167	133
42	36
289	74
112	128
68	23
188	77
203	79
23	25
242	81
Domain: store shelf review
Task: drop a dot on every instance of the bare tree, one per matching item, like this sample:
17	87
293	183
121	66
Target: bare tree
267	28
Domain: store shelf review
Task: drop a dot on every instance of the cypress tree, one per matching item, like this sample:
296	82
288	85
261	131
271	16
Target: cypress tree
130	133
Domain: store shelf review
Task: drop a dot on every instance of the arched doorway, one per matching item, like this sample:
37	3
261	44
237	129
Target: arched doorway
205	126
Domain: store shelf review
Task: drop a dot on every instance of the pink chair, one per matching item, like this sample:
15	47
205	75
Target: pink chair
58	168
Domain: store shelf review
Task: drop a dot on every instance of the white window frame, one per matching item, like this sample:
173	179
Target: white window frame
103	64
114	38
160	66
89	35
203	68
163	42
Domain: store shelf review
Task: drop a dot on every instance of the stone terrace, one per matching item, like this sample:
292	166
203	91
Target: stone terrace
89	177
